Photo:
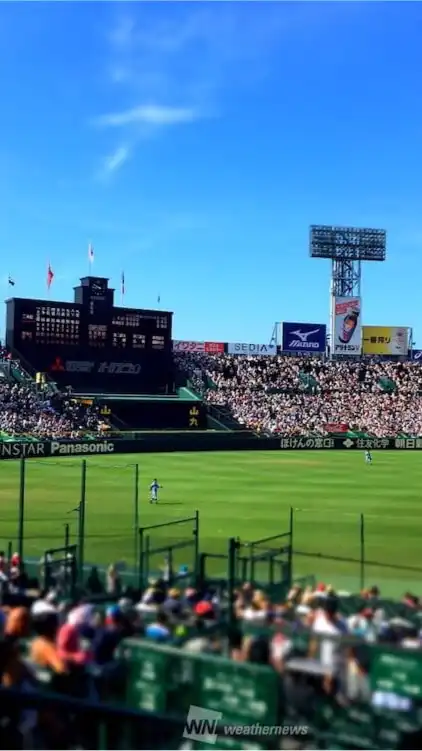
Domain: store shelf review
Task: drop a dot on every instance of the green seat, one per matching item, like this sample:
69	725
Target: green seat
165	679
387	385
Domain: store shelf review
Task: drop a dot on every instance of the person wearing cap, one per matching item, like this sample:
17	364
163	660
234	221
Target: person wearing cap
204	609
108	638
172	603
70	644
159	630
154	488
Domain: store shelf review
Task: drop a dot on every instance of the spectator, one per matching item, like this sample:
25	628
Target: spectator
72	648
302	396
26	412
44	651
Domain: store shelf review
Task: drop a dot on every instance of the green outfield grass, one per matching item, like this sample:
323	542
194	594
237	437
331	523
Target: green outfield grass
248	494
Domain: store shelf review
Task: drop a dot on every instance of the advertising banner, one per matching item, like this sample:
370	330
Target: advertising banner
241	348
143	372
199	441
304	337
417	355
209	347
346	337
385	340
214	347
350	444
336	427
180	346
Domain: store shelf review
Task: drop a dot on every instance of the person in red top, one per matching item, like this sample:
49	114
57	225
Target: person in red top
70	644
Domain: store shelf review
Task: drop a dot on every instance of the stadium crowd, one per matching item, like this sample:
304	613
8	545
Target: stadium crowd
299	396
24	411
77	639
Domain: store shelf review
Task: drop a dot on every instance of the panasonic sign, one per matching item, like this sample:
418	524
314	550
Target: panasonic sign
59	448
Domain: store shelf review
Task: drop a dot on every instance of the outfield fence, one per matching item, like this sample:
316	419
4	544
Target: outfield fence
351	553
68	510
68	507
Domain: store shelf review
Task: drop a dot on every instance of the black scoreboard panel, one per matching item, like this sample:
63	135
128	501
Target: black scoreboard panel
92	342
51	323
47	323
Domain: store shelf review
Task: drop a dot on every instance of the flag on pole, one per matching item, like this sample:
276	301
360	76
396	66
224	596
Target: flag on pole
123	285
158	300
11	281
50	276
90	253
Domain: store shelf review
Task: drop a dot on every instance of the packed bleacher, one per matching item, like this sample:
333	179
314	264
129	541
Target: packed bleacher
32	410
300	396
24	411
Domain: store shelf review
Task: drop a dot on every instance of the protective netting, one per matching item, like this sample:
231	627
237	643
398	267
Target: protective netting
169	548
52	494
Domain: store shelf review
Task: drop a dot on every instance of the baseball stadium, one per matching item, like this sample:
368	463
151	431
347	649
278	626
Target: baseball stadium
199	538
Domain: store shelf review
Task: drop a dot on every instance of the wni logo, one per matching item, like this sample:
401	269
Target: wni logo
201	725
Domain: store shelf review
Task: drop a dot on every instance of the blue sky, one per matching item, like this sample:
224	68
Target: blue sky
194	144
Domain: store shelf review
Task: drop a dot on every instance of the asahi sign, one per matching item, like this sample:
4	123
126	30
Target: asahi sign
19	450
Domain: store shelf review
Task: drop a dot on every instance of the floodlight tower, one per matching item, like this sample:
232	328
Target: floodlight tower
347	247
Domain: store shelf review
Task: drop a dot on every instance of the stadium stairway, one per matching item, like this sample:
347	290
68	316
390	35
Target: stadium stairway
220	418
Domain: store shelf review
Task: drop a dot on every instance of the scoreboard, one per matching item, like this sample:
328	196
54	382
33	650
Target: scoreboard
47	323
91	335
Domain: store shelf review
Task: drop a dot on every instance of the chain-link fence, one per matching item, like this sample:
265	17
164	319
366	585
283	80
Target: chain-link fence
348	550
95	504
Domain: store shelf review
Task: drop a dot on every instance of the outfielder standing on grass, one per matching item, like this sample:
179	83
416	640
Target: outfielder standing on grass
154	488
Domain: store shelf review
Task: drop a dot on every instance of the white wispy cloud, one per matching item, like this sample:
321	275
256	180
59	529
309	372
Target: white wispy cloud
150	114
114	161
178	66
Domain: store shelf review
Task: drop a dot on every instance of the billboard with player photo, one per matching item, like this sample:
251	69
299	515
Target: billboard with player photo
346	335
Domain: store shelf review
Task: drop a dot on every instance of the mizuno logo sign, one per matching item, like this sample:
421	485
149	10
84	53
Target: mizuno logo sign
301	342
303	335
